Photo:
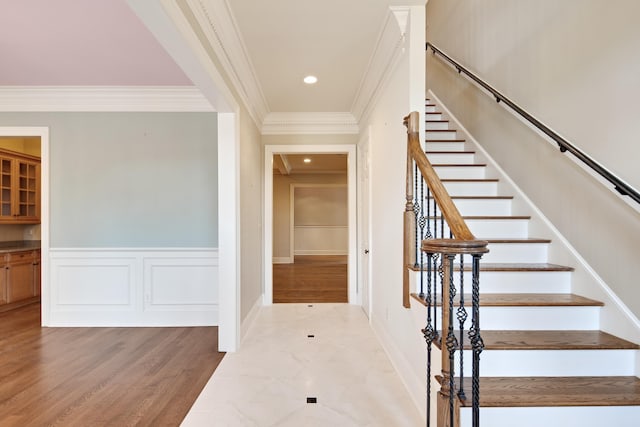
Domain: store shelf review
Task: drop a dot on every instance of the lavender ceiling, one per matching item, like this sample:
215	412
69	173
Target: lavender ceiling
80	42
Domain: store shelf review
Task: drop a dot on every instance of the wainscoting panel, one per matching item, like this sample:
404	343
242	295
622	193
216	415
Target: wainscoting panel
134	287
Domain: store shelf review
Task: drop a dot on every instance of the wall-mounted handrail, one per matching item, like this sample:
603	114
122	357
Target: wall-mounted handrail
621	186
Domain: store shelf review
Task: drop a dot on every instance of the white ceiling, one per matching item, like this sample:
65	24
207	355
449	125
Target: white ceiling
289	39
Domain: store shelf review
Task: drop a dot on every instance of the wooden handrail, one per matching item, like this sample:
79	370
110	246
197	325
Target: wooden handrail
449	210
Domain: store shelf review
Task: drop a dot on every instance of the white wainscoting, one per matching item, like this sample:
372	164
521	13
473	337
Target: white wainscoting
133	287
321	240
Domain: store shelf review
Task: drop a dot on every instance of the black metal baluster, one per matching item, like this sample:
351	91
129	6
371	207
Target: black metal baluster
416	210
477	344
429	335
462	318
422	223
452	342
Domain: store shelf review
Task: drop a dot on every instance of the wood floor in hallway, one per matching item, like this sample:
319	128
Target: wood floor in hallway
100	376
311	279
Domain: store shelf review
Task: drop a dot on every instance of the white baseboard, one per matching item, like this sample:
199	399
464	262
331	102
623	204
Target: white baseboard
320	252
282	260
133	287
249	320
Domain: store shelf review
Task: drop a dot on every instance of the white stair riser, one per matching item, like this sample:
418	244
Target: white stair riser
537	318
475	207
441	135
547	282
482	188
433	116
582	416
506	228
514	253
451	158
430	109
436	125
551	363
460	172
445	146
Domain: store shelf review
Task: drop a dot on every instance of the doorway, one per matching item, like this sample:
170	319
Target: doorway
31	198
324	243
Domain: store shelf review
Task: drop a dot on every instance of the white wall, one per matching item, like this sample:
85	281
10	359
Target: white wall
574	65
282	208
395	325
251	209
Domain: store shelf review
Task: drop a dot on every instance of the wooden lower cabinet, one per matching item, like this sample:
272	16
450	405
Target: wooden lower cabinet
20	277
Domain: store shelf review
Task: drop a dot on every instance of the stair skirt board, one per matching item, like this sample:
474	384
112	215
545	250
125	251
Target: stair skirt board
582	416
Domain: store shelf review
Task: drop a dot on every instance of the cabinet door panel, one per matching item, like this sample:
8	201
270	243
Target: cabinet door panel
19	281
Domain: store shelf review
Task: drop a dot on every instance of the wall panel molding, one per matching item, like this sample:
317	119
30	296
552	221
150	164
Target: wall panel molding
134	287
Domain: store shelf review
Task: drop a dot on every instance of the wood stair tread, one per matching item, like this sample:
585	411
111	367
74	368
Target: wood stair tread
489	217
470	180
477	197
457	165
554	391
448	152
516	240
526	300
550	340
436	121
445	140
513	267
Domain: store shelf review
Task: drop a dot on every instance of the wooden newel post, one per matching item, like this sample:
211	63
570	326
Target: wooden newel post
409	249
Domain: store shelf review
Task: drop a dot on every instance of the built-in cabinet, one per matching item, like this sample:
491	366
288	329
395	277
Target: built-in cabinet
19	277
19	188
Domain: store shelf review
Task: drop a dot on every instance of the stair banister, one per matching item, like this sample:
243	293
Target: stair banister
461	241
619	185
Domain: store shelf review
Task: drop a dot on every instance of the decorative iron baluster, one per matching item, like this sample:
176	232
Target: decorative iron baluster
429	334
477	344
462	318
421	222
452	342
416	210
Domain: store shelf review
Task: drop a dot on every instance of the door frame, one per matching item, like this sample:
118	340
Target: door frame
43	133
352	263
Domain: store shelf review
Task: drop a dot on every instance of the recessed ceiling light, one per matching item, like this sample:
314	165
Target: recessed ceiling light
310	80
307	160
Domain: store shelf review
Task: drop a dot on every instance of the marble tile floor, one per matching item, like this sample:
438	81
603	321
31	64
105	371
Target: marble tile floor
294	352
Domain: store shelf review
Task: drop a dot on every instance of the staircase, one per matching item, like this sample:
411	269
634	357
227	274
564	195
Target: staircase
545	361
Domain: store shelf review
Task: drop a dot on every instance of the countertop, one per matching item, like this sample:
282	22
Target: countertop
19	245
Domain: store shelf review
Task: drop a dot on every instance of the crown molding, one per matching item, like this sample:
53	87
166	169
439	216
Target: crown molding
309	123
389	47
103	98
221	30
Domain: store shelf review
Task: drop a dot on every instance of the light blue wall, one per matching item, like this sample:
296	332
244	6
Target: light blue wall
130	179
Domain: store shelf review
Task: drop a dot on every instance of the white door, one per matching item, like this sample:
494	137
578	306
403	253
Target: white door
364	230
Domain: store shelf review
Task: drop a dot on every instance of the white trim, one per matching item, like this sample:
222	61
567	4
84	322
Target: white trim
319	252
282	260
582	263
219	26
229	230
249	320
309	123
103	98
381	64
270	150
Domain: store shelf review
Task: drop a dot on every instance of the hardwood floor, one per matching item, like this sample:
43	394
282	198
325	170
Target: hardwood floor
311	279
100	376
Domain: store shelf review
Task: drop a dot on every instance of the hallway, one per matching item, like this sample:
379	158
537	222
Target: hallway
299	351
311	279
